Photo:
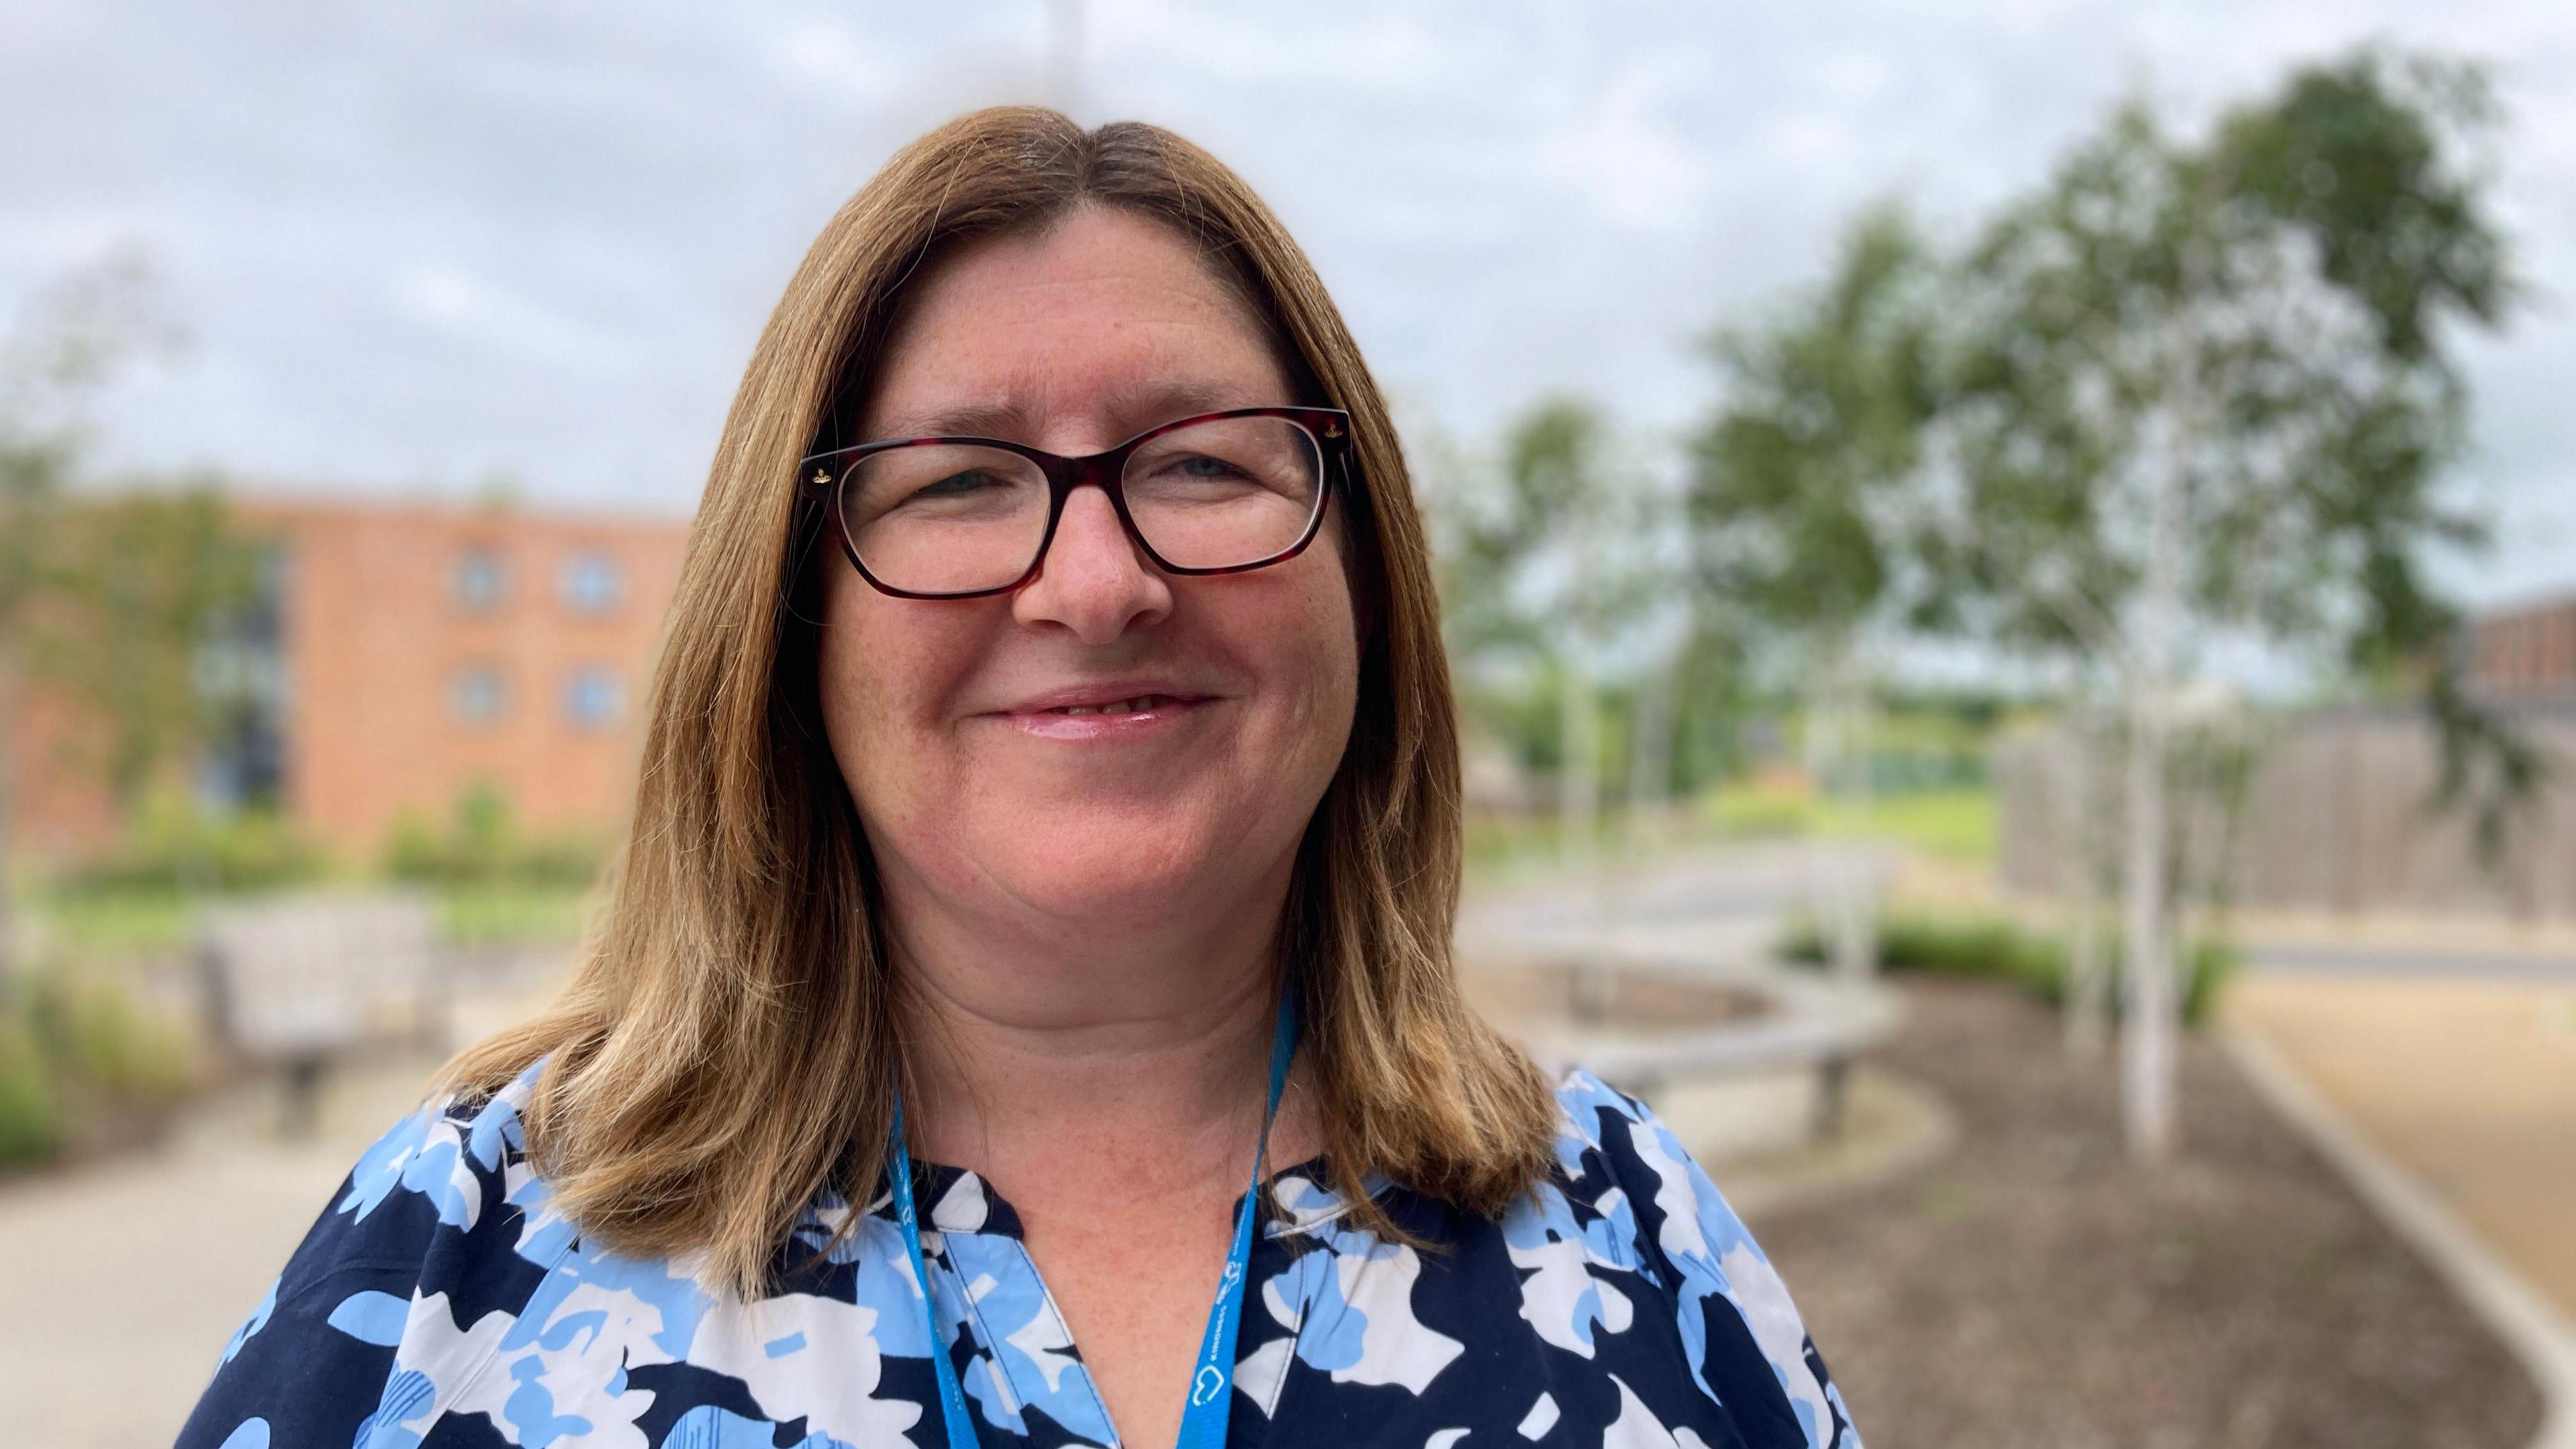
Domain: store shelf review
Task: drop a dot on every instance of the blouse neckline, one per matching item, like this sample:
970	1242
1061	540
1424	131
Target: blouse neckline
961	1200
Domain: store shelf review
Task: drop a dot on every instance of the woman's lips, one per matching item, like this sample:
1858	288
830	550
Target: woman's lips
1133	717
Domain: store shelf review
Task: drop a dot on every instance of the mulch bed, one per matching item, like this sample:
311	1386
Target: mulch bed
2035	1287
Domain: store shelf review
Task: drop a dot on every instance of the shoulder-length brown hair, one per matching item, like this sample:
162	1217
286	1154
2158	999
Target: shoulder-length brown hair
726	1046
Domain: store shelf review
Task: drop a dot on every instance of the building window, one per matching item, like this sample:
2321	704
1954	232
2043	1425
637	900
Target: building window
476	695
593	698
481	578
240	681
592	583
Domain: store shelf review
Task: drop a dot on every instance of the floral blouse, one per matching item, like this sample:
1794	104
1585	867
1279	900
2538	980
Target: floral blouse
441	1301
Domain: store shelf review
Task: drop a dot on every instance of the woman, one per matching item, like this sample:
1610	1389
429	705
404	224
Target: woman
1051	791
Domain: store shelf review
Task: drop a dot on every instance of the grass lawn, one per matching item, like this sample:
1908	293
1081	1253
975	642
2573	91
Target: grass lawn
1952	822
132	922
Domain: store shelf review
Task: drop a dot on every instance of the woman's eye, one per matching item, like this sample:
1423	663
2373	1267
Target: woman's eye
1200	465
955	485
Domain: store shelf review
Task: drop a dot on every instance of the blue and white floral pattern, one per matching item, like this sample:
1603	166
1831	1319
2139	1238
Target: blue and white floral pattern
441	1302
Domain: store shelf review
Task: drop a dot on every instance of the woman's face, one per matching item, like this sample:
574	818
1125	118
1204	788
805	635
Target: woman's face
969	731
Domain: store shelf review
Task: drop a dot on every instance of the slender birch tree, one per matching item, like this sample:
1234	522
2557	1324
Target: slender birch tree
2203	390
1538	578
1801	490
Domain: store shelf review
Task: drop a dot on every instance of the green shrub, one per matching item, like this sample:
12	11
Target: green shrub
78	1048
71	1047
481	846
2210	966
509	913
31	1120
96	1042
175	849
1999	949
116	1049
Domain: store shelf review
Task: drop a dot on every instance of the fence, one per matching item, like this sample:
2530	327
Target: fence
2338	816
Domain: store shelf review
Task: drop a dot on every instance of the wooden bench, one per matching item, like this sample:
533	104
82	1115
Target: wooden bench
299	983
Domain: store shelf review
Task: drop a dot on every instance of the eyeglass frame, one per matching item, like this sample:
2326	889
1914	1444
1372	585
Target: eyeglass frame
1329	427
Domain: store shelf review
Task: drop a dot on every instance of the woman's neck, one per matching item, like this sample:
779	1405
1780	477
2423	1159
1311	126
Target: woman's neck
1051	1060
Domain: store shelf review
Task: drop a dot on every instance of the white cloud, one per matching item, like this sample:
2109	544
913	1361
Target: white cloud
470	309
831	60
419	244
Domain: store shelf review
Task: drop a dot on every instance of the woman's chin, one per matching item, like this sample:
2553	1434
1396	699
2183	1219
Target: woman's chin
1134	878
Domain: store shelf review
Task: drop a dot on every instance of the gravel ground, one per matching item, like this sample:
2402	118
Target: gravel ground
2034	1288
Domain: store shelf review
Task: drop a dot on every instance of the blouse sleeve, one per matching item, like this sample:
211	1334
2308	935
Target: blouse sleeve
1747	1346
315	1362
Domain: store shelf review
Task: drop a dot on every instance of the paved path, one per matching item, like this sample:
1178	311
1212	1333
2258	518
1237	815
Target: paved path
2466	1082
2418	962
123	1281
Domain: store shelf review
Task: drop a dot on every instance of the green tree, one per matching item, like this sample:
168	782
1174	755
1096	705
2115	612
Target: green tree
2200	391
66	341
1555	585
1800	488
1801	478
1519	576
137	581
105	598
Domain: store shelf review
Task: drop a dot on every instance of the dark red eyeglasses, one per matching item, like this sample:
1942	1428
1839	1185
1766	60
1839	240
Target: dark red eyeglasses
959	518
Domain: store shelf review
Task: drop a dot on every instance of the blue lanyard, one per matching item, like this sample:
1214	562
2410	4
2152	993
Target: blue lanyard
1212	1387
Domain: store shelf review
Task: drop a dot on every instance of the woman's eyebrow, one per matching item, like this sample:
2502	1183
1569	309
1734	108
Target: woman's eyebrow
1133	409
1146	405
1007	418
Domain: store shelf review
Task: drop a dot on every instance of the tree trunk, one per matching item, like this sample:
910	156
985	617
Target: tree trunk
1856	943
1836	765
1650	756
2087	844
1578	775
2153	1017
2148	1030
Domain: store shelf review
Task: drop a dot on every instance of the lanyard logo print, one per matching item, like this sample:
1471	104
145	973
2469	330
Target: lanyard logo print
1211	1400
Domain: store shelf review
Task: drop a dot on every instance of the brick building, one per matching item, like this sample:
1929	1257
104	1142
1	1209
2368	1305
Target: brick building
2525	653
405	654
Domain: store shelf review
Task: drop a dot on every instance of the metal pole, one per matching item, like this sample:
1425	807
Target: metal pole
1064	36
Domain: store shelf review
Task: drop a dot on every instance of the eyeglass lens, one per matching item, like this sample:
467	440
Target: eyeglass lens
939	518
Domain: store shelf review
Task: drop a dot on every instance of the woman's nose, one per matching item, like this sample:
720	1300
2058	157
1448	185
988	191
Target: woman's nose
1093	580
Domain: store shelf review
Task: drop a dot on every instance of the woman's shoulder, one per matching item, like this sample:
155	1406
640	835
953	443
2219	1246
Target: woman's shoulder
1617	1159
418	1249
1621	1297
457	1152
442	1181
1629	1195
446	1194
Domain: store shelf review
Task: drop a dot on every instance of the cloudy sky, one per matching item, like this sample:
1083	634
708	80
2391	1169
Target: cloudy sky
419	247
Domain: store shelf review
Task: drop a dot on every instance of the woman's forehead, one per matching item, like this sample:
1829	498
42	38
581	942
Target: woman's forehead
1106	316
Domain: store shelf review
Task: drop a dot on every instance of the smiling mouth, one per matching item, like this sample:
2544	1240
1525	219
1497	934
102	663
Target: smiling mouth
1118	706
